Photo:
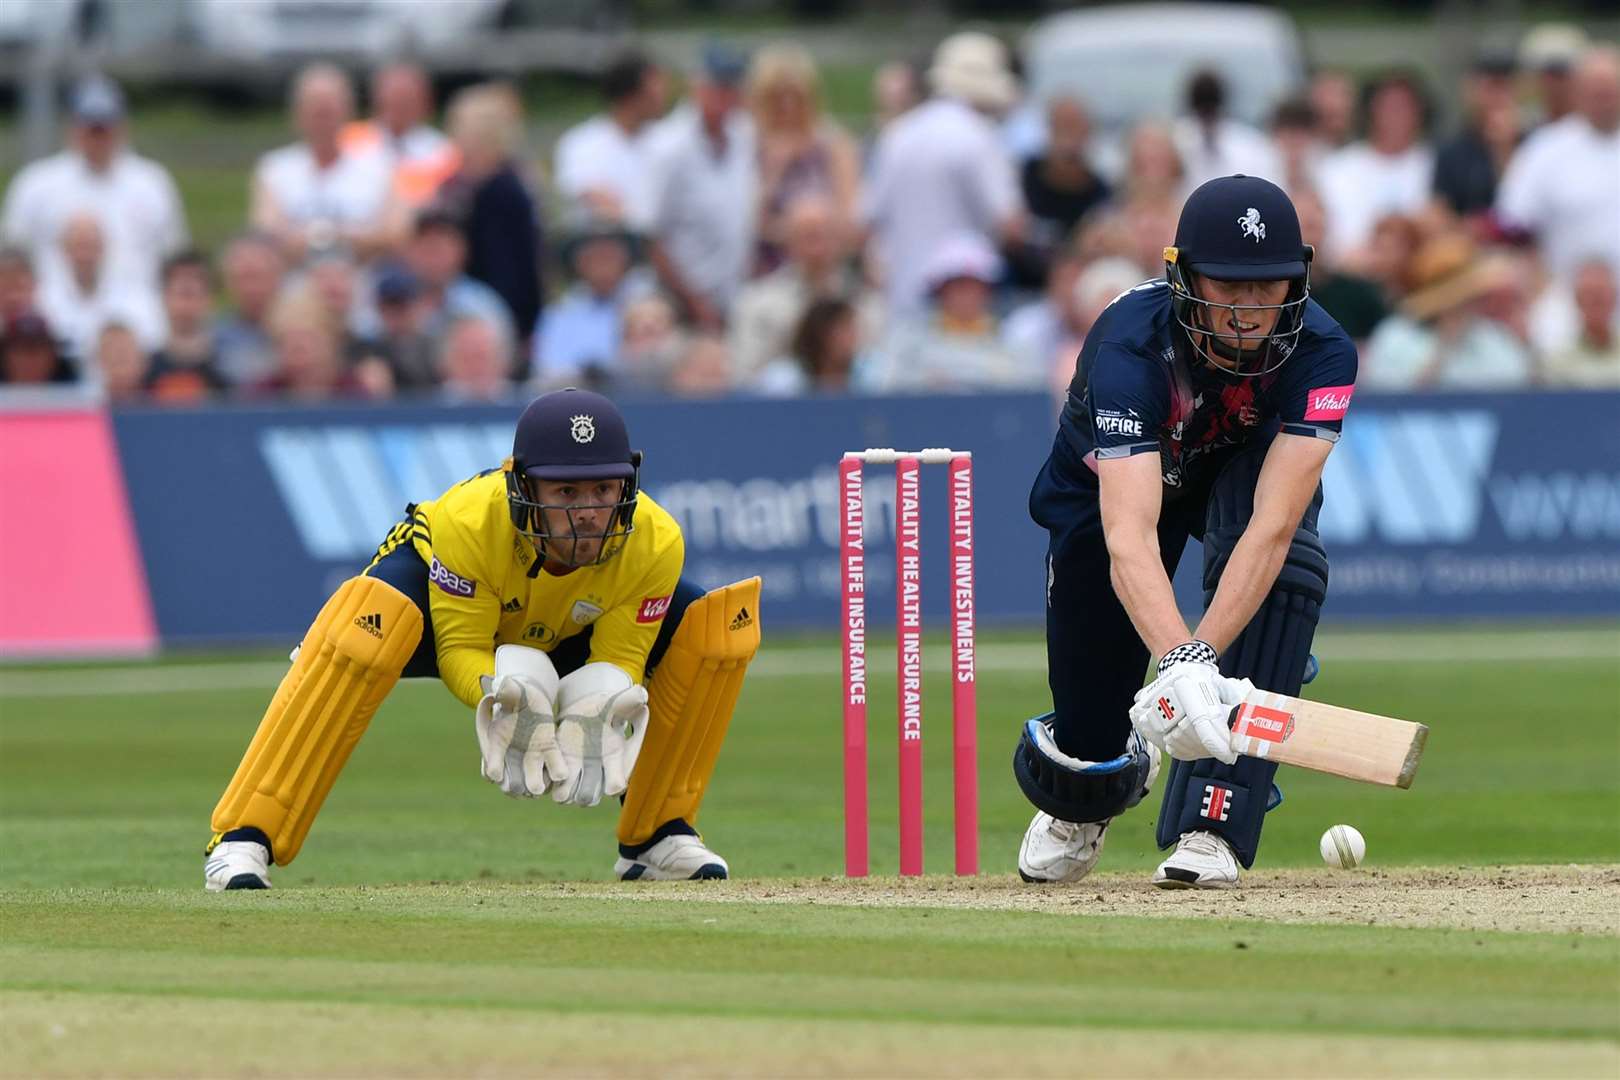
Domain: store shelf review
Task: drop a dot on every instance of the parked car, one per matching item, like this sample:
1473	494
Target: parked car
1131	62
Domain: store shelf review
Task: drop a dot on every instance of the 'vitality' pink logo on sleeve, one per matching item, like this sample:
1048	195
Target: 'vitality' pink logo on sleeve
1328	403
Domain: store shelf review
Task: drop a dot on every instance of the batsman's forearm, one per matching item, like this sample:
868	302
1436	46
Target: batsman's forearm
1249	575
1144	590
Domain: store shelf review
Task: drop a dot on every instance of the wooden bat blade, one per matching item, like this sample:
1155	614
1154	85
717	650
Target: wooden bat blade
1327	738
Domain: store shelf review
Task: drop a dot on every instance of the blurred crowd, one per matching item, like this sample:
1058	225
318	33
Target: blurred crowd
742	241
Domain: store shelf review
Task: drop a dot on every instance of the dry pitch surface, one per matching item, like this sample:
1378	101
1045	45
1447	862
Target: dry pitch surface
1519	899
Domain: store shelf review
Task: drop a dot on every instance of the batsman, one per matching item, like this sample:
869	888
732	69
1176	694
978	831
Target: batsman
547	595
1203	405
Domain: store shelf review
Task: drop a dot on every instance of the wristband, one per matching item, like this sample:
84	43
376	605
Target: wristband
1191	652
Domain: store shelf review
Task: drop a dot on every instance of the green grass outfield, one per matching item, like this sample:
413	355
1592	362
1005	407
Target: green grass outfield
432	926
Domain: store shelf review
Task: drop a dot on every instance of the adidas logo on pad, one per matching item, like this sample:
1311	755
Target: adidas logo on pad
371	624
742	620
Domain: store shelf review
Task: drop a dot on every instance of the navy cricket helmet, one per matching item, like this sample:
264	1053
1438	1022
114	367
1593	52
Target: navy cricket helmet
1239	228
571	435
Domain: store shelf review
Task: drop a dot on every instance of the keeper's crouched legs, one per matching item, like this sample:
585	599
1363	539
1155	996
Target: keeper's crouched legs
349	660
691	695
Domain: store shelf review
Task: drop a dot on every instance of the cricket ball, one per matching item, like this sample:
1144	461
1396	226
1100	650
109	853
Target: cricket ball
1342	846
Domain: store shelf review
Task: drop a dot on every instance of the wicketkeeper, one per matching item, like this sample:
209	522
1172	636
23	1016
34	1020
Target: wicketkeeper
1203	405
543	593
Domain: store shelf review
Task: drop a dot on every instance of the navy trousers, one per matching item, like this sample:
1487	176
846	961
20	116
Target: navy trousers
1095	660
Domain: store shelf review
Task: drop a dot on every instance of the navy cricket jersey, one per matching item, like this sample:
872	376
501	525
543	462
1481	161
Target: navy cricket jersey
1136	390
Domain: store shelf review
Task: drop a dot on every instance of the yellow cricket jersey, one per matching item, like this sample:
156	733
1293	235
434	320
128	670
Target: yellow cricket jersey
481	594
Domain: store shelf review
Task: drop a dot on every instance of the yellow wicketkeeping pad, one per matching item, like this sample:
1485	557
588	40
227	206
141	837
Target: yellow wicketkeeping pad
350	659
690	701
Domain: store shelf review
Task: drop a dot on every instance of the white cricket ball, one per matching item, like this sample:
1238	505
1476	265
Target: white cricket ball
1343	846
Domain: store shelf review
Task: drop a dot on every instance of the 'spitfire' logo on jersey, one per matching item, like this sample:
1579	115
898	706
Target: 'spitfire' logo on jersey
1328	403
582	428
1252	226
652	609
1110	422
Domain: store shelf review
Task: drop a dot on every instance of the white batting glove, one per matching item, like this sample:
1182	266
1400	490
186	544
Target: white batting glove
516	724
601	723
1183	712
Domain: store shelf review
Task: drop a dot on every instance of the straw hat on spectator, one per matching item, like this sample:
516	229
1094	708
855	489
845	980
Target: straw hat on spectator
1449	272
973	66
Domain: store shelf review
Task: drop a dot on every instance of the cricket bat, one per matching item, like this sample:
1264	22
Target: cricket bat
1357	745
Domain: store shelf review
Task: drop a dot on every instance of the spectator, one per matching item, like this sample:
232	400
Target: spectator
1356	303
1390	172
1154	173
83	295
1387	260
309	360
821	355
955	347
418	157
1332	96
1563	186
253	269
705	180
704	369
437	256
312	195
29	356
1550	52
768	310
581	333
497	212
1593	359
1441	338
334	285
398	336
18	286
1468	165
941	169
601	162
1038	331
652	344
475	362
1099	284
186	367
801	152
896	90
1060	185
1299	146
1213	144
133	198
121	365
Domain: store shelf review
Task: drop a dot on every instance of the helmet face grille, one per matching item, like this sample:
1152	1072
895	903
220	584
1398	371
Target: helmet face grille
1196	316
529	517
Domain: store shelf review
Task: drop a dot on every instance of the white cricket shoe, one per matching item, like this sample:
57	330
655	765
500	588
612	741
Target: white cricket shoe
237	864
1059	851
1202	860
674	858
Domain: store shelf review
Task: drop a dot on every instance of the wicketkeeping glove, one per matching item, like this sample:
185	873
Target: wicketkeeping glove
516	724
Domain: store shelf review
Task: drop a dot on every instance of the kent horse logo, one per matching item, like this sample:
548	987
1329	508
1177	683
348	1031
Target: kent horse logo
1252	226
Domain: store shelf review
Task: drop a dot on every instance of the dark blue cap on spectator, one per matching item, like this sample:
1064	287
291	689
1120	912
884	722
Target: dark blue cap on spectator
724	64
97	100
573	435
396	284
28	328
1240	228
